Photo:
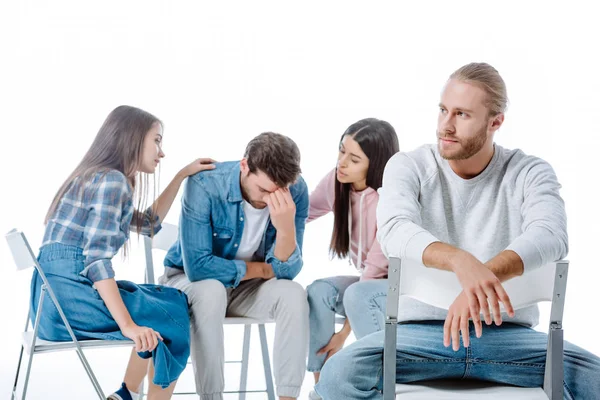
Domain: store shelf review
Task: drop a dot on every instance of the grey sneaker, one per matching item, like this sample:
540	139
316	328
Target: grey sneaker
314	396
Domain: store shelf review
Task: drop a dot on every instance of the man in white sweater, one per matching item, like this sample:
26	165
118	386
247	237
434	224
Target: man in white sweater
486	214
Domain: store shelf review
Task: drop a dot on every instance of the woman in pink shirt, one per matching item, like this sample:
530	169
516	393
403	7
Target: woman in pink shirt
350	192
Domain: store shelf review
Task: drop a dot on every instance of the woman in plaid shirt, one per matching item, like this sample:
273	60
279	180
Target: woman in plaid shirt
86	225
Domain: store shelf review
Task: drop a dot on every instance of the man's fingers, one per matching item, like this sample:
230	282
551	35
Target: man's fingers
454	333
474	306
464	329
503	296
484	306
287	195
493	300
280	199
447	326
274	201
477	324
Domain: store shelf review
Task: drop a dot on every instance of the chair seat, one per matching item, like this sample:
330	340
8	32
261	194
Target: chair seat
246	321
44	346
455	390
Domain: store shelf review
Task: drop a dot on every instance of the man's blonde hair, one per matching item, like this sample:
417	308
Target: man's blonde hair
487	78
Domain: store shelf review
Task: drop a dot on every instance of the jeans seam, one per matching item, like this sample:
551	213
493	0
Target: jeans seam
430	360
511	363
569	392
374	308
468	362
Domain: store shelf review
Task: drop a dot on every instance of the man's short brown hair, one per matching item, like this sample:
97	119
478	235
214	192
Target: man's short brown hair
276	155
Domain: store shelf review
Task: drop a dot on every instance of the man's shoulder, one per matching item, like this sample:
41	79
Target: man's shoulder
221	173
299	191
522	163
299	186
220	176
423	161
214	183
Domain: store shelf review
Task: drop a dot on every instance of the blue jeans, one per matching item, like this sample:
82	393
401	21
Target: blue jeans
511	354
161	308
363	303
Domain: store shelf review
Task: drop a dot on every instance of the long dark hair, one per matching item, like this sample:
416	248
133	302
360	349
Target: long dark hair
379	142
118	145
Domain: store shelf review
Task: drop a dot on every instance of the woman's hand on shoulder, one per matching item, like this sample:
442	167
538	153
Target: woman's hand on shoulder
201	164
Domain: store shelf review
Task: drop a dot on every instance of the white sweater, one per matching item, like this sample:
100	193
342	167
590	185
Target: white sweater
514	204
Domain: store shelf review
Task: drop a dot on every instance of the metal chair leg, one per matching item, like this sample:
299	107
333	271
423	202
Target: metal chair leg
14	390
266	361
245	356
36	325
90	373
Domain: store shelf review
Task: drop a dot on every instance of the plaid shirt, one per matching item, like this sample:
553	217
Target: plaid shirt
97	219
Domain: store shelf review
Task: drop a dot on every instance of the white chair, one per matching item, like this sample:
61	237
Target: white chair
547	283
24	259
163	241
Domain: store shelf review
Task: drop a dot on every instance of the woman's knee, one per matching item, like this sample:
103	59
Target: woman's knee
364	295
319	290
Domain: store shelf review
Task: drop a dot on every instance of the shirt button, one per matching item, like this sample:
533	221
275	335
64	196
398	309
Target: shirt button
241	218
214	234
235	245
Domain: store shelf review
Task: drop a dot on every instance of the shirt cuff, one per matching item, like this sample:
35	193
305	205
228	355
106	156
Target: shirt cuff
98	270
149	228
280	267
416	245
529	253
241	271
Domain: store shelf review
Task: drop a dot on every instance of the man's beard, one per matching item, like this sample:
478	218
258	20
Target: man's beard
469	147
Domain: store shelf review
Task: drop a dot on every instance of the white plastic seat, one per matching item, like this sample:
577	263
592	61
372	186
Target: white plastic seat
440	288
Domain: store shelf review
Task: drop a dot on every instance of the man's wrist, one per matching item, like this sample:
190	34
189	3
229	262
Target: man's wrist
457	259
288	232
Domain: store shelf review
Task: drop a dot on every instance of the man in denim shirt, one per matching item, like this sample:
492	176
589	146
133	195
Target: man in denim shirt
239	247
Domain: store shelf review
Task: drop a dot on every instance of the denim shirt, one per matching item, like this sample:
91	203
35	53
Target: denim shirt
212	223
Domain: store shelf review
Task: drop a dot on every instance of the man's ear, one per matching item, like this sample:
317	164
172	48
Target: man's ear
497	122
244	167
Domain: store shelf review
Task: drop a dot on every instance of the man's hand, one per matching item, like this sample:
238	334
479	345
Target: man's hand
258	270
458	319
282	209
481	287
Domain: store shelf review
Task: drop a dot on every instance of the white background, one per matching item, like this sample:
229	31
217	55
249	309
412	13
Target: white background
218	74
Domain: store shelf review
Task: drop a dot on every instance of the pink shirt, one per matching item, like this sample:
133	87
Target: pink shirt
363	244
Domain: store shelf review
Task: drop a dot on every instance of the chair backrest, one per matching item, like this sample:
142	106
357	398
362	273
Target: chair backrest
440	288
163	240
20	250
